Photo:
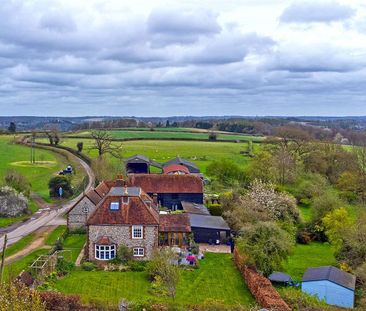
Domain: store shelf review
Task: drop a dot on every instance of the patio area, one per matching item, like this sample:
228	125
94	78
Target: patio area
221	248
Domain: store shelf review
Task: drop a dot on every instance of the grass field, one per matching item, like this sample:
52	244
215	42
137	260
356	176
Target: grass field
19	245
55	235
201	153
74	243
312	255
48	163
217	278
171	134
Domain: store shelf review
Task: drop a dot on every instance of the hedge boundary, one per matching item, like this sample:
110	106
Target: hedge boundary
260	287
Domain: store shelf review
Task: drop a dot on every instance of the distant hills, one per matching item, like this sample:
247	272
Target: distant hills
25	123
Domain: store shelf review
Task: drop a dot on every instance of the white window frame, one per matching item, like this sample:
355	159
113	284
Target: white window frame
138	237
115	203
125	200
108	251
138	252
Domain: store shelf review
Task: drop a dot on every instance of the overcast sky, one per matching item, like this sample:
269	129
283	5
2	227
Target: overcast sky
163	58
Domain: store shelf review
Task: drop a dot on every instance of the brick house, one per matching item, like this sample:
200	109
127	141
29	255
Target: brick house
125	216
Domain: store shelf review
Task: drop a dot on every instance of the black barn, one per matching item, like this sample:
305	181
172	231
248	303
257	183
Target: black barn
139	164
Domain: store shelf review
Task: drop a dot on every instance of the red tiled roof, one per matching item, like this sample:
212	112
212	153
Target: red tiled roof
174	223
135	212
105	240
102	189
93	196
161	183
175	168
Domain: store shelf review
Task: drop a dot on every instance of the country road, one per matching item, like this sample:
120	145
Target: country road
46	217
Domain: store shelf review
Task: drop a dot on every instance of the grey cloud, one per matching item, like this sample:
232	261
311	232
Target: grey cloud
182	23
58	22
316	11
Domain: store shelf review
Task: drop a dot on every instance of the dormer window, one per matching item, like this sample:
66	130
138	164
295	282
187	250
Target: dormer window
124	200
114	206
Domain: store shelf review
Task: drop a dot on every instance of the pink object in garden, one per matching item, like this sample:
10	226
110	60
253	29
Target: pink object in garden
191	258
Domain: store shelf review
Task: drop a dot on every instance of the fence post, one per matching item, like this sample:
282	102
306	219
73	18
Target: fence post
3	258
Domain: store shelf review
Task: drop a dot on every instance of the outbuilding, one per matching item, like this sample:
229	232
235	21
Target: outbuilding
334	286
209	229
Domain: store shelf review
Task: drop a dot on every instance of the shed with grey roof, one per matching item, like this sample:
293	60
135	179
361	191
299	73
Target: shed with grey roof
139	164
209	229
331	284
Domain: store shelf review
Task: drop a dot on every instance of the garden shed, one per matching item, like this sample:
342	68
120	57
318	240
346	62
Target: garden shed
334	286
209	229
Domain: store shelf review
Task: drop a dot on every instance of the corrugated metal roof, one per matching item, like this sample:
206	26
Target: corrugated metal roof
208	222
332	274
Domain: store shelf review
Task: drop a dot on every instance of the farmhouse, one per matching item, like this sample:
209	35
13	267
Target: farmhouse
126	216
331	284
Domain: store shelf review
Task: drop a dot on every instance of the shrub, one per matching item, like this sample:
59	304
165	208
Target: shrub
18	182
161	266
63	266
80	146
303	237
88	266
215	209
60	302
265	246
16	296
137	265
60	181
125	253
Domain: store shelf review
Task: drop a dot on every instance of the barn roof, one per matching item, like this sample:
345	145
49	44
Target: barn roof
175	168
174	223
139	158
135	211
180	161
161	183
195	208
208	222
331	274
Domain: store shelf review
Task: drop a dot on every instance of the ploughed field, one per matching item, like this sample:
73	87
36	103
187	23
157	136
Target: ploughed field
217	278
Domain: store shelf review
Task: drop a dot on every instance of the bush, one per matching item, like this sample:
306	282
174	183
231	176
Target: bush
60	302
60	181
16	296
137	265
303	237
63	266
125	253
18	182
80	146
215	209
265	246
88	266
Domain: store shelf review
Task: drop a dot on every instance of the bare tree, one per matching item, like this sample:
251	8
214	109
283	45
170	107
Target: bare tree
103	143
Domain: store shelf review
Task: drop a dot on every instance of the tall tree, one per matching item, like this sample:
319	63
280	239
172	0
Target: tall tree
12	127
103	143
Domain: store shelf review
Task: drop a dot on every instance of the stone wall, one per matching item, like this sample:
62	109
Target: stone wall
121	234
76	218
260	287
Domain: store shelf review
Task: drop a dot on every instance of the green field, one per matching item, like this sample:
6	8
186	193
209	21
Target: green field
217	278
312	255
170	134
201	153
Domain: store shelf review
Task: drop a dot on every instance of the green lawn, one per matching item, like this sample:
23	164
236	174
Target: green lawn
16	157
217	278
17	246
306	212
14	269
312	255
55	235
74	242
201	153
